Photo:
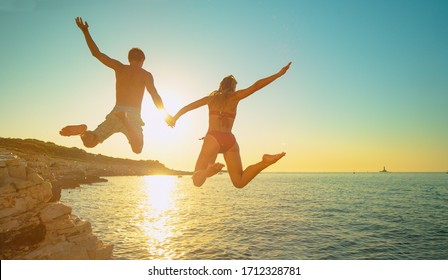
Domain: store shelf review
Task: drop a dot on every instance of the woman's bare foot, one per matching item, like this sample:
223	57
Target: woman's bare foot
213	168
271	159
72	130
200	176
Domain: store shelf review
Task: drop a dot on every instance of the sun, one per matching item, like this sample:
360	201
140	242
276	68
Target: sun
155	119
177	146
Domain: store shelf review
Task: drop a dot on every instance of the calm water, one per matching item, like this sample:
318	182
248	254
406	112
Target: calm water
278	216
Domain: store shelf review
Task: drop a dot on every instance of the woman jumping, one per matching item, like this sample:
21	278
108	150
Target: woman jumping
222	105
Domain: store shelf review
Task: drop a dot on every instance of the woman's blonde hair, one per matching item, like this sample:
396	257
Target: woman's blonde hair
219	96
225	85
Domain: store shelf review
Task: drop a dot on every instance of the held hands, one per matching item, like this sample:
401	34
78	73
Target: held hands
170	121
284	69
84	26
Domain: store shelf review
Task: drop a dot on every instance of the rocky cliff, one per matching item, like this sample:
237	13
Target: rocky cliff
32	227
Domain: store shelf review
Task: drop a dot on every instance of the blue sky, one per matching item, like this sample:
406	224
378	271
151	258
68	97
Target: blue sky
367	86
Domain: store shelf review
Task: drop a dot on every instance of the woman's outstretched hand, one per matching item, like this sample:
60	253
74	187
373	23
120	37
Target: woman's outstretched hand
170	121
284	69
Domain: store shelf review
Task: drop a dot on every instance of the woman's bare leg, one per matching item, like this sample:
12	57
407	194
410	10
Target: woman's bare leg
205	165
241	178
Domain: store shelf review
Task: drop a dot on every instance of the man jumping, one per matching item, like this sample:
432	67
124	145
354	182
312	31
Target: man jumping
131	81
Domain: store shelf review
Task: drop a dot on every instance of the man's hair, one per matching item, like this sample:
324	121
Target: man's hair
136	54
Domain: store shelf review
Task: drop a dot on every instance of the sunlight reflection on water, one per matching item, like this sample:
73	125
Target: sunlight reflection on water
158	212
279	216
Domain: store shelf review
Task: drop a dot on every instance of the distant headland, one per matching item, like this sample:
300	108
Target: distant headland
69	167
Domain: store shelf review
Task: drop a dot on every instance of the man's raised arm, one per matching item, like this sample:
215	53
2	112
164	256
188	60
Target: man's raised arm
109	62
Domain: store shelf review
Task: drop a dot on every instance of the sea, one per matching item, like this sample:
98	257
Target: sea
278	216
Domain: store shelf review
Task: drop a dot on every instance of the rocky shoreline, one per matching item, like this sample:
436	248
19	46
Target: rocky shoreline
69	168
35	226
33	223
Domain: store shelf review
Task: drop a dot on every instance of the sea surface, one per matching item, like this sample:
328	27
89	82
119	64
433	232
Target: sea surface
278	216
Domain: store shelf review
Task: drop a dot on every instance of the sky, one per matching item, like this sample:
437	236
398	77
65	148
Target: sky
367	87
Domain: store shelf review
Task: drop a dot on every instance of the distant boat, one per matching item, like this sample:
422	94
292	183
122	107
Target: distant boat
384	169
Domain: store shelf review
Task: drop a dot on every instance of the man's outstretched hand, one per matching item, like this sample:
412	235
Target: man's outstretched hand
170	121
84	26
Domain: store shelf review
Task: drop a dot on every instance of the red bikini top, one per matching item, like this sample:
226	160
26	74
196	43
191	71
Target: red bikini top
223	116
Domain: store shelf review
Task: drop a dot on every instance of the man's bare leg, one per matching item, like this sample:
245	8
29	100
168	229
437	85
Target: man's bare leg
72	130
89	139
200	176
135	138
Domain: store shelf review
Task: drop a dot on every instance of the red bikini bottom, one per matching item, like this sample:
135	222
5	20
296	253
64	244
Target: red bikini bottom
225	139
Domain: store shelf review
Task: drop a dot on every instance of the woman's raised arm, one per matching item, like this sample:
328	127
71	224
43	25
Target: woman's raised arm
241	94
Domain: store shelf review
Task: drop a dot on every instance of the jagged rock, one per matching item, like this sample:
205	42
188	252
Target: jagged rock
34	177
17	169
3	172
27	236
31	227
18	196
53	211
56	192
20	183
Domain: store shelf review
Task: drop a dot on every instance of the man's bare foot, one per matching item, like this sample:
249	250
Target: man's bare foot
72	130
213	168
271	159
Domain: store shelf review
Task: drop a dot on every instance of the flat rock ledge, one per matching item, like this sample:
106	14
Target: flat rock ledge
32	227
